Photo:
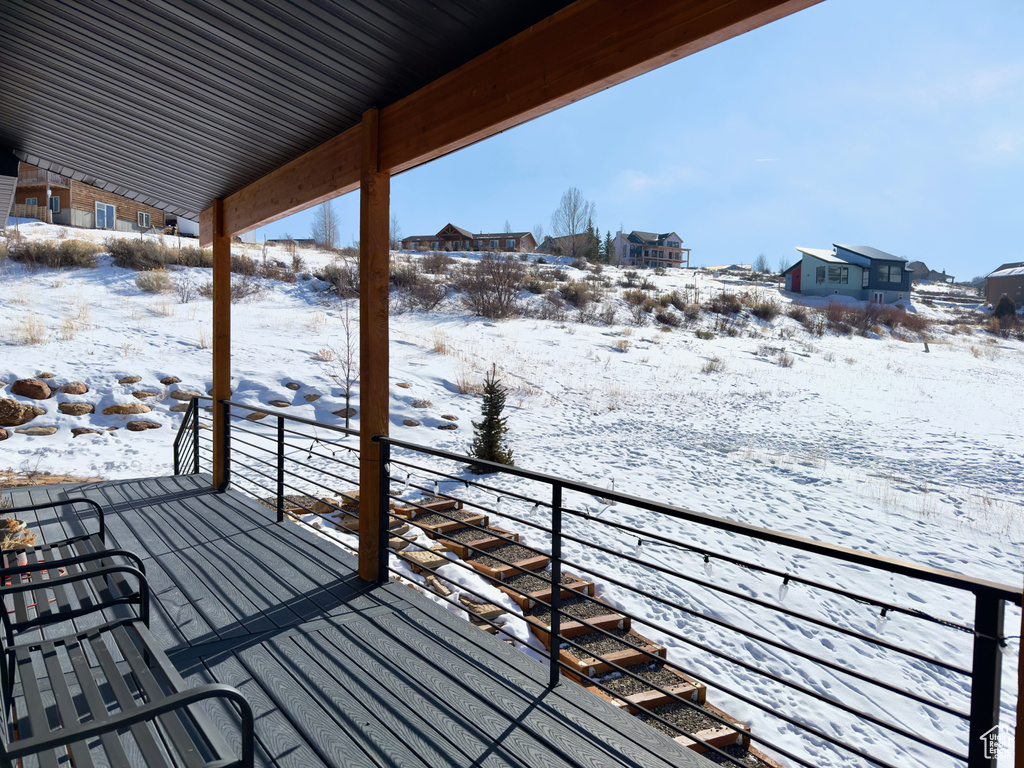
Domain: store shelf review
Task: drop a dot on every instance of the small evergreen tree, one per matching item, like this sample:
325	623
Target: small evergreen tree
489	433
1004	308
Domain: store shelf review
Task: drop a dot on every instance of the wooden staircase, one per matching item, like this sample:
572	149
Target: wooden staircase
590	660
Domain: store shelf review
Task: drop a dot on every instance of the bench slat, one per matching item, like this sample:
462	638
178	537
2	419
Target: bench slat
67	712
37	718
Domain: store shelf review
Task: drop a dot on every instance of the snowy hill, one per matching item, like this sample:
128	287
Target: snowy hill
772	415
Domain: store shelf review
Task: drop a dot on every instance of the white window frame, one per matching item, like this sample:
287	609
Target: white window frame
144	220
32	201
112	223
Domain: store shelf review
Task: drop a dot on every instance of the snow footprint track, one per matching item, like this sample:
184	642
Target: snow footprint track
597	638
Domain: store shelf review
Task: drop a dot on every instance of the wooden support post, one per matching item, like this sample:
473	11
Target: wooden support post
374	257
221	341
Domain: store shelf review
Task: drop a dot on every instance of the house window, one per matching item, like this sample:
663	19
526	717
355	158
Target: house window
105	216
839	275
433	245
864	278
820	275
890	274
478	243
455	244
55	204
510	243
31	201
143	220
494	243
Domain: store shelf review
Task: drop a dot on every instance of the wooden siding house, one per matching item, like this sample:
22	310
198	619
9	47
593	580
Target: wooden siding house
1008	280
453	238
648	249
59	199
857	271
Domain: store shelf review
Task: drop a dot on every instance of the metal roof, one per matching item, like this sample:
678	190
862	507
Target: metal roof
869	252
826	255
1011	272
175	103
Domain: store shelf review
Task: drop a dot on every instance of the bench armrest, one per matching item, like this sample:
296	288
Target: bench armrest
65	502
146	712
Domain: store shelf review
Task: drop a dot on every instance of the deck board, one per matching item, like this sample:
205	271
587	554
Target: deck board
340	673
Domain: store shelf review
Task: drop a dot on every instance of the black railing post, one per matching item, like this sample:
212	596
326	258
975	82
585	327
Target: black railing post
555	669
280	469
985	681
177	448
225	459
194	405
384	514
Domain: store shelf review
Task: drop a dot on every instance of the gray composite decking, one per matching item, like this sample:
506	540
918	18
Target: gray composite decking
339	673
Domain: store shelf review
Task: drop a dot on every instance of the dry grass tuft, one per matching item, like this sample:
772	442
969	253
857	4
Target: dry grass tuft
29	329
325	355
441	342
714	365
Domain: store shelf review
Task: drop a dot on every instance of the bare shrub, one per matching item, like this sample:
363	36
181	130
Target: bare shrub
577	293
785	359
140	255
691	312
192	256
325	355
606	315
798	312
705	335
342	277
54	254
492	287
421	403
405	275
553	307
765	309
241	288
426	294
714	365
623	345
634	297
725	303
243	265
638	315
436	263
185	288
667	317
155	281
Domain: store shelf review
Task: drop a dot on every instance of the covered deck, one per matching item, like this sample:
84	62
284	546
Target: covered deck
341	672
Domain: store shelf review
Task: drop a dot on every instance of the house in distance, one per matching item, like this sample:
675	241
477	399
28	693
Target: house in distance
58	199
1007	280
858	271
649	249
452	238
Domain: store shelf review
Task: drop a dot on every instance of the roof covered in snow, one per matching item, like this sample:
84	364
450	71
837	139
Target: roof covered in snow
1008	272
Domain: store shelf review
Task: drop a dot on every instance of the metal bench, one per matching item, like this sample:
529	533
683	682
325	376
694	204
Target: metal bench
108	694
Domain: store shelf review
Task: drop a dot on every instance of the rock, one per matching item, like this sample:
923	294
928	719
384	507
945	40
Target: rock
4	434
124	409
33	388
76	409
185	394
179	407
166	380
142	394
279	403
403	384
345	413
425	559
256	416
45	375
293	386
447	426
112	429
435	584
449	417
410	422
130	380
14	414
83	431
312	397
74	388
36	431
141	426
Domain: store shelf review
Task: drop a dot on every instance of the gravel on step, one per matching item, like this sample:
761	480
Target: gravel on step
535	581
624	685
599	644
444	516
737	752
466	535
687	719
509	553
576	607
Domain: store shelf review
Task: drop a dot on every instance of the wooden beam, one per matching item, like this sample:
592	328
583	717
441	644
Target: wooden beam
221	339
374	258
584	48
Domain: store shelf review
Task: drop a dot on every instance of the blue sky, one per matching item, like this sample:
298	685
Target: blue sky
892	123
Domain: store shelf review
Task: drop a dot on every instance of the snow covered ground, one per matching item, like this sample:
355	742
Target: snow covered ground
868	442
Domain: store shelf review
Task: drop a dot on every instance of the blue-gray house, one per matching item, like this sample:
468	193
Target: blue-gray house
859	271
